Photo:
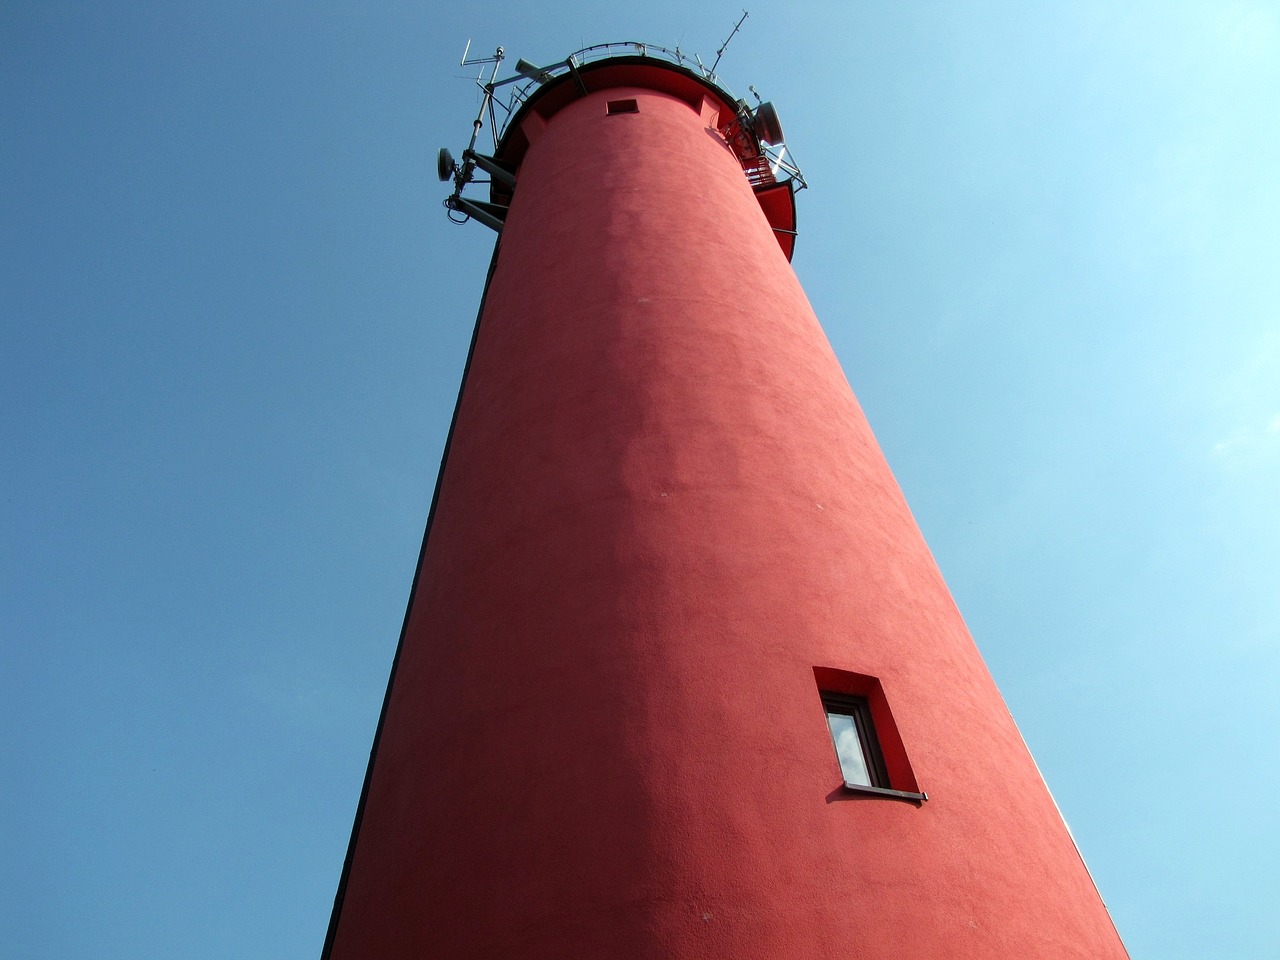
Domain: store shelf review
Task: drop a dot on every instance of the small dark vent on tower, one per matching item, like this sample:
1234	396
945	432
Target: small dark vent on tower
622	106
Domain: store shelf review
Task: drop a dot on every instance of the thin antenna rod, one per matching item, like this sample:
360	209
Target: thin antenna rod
496	60
720	52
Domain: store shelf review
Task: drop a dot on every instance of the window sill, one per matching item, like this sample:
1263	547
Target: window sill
859	789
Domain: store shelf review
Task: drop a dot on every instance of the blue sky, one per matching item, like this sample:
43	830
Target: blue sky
1041	237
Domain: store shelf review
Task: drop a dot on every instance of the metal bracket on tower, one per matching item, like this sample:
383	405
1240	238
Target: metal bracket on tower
491	167
492	215
577	77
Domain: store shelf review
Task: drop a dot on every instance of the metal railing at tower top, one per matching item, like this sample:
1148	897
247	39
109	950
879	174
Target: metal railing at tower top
520	92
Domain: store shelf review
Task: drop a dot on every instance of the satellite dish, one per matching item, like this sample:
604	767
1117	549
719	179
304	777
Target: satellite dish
766	124
445	165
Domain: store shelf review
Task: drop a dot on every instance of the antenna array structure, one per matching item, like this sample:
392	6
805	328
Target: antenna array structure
754	133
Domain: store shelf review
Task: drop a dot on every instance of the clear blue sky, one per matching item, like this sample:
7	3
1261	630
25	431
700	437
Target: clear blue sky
1043	239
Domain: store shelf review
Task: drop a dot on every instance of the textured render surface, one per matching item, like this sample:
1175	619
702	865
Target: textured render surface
661	511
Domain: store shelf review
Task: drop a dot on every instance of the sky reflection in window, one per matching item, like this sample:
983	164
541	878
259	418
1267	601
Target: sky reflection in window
853	762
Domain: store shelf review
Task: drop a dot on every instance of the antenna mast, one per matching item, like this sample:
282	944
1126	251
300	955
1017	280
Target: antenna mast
720	53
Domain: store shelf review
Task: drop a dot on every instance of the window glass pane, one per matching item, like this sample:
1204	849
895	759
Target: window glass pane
853	763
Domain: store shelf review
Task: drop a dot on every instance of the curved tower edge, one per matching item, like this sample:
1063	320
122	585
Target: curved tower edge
340	894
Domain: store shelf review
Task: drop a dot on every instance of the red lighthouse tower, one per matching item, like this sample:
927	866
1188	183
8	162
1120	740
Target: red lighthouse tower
679	677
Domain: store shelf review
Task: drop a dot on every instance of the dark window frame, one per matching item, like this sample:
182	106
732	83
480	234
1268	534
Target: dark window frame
859	710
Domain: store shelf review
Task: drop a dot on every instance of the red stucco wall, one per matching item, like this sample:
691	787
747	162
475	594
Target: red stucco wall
661	511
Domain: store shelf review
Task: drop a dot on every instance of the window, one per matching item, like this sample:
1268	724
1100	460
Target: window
854	736
872	758
621	106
